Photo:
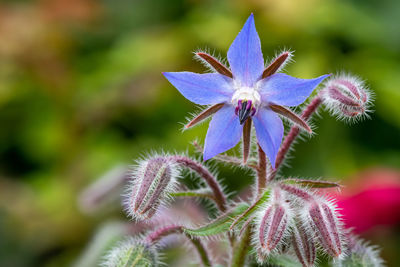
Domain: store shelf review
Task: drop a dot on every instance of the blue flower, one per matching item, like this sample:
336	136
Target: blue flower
248	91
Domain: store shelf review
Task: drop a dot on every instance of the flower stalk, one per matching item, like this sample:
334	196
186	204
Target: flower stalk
293	134
206	175
241	249
158	234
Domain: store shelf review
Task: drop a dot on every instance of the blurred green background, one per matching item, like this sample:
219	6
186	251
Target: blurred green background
81	91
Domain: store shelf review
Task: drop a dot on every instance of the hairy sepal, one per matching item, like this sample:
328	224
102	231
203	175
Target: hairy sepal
273	223
303	245
360	253
323	217
310	183
131	252
151	184
277	64
347	97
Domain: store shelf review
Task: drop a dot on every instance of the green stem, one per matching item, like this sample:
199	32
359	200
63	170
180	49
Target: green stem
293	134
240	251
205	259
156	235
206	175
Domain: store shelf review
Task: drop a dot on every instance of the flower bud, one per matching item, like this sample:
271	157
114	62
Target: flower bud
303	245
273	222
360	253
152	182
323	219
346	97
131	253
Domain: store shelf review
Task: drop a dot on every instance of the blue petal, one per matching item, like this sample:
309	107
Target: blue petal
269	132
223	133
286	90
202	89
245	56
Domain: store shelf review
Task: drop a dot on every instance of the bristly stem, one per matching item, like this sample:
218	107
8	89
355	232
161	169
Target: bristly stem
173	229
205	259
211	181
293	133
261	171
241	249
156	235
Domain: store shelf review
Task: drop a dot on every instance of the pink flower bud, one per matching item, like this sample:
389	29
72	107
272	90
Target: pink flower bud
273	223
346	97
303	245
152	181
323	219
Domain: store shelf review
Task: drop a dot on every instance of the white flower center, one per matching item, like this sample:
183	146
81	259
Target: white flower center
246	94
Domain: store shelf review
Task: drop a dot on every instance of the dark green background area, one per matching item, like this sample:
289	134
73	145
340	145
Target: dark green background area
81	91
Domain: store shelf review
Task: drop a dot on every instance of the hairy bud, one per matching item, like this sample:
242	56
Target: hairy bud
273	223
303	245
131	253
360	253
346	97
322	216
152	182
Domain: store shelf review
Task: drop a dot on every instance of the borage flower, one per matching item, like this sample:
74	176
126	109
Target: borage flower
248	92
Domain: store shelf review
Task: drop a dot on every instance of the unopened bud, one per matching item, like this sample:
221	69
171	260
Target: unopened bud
346	97
303	245
360	253
131	253
273	222
324	221
152	182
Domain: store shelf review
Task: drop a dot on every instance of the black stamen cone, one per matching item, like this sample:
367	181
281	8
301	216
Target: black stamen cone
244	112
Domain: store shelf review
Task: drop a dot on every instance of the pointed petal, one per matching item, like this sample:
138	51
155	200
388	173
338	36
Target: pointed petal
282	89
223	133
269	132
245	55
202	89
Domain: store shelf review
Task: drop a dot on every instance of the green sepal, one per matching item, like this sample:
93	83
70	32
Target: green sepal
310	183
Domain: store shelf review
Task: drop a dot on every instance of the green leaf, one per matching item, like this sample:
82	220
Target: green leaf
219	225
253	208
311	183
